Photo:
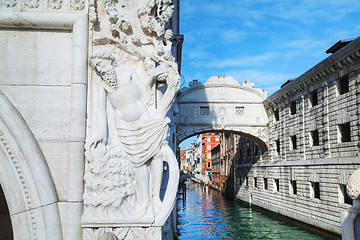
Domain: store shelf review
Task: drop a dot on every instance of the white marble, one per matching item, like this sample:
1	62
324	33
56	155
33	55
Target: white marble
46	88
222	104
127	139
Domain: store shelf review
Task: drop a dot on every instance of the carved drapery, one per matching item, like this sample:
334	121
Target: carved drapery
132	85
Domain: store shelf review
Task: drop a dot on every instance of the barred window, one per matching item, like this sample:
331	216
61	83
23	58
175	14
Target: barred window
239	110
204	111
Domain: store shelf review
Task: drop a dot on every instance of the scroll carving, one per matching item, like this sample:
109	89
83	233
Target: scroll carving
135	79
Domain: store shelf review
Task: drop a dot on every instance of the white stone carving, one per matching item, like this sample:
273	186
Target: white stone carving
353	185
128	140
126	233
32	3
55	4
9	3
77	4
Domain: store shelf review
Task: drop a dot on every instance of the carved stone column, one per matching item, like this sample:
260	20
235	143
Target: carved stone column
132	84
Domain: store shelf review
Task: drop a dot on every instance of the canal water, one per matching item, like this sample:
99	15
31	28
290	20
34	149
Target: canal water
208	215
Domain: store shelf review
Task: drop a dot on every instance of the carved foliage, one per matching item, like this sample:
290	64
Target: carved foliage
32	3
9	3
55	4
126	233
110	180
77	4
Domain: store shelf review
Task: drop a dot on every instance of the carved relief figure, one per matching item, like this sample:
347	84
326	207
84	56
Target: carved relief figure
126	150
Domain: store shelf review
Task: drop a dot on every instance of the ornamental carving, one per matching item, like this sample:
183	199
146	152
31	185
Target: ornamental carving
32	3
55	4
134	82
9	3
353	185
77	4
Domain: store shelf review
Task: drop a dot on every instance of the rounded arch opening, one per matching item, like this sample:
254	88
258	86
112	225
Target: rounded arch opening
6	232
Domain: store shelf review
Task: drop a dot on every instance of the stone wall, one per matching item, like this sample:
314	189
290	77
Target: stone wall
313	144
43	103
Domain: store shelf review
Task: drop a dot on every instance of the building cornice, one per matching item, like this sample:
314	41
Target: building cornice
341	60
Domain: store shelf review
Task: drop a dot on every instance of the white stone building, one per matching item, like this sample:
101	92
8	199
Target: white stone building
313	144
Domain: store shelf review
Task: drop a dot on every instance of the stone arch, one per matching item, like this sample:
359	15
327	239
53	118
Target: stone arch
221	104
25	179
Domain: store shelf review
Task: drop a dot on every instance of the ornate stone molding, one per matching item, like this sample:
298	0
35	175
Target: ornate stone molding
22	180
55	4
32	3
31	193
9	3
77	4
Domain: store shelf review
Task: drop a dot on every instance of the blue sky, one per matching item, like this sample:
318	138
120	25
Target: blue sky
264	41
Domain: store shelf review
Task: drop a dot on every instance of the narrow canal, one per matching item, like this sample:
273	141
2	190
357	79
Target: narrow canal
208	215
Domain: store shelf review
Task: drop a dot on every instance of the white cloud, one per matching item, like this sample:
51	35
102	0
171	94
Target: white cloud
232	35
241	61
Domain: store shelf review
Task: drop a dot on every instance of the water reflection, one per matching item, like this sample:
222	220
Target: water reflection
206	214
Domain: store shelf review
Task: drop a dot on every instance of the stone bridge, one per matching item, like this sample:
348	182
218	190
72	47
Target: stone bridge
222	104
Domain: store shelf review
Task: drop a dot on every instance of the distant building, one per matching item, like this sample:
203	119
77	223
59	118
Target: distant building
216	178
223	163
209	141
183	160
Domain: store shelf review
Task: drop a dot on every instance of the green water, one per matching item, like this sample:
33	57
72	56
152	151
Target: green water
208	215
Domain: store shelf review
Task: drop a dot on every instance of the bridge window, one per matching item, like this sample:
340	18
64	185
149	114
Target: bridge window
315	137
293	187
293	107
276	115
315	190
344	133
313	97
204	111
239	110
343	197
342	85
293	142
